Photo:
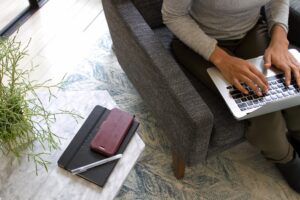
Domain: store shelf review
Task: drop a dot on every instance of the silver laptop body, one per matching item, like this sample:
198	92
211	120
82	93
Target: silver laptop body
247	106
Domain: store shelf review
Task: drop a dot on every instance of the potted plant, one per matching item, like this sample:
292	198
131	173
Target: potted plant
23	119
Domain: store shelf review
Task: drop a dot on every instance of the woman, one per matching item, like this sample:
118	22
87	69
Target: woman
225	33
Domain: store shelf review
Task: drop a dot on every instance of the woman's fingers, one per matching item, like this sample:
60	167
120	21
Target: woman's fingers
253	86
287	74
259	79
250	80
238	86
289	65
249	75
267	60
296	73
296	69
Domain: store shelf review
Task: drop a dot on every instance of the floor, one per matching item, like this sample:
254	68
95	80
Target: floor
10	9
70	39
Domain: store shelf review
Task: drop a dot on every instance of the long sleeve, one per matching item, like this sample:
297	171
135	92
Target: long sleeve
177	18
277	12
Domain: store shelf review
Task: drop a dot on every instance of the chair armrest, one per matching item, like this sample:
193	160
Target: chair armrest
294	22
178	108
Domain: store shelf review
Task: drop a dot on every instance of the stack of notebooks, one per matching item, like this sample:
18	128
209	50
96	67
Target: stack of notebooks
79	152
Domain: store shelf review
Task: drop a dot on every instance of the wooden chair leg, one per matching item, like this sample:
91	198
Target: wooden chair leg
178	165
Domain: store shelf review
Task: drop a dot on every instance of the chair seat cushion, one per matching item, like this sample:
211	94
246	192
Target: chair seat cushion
150	10
164	35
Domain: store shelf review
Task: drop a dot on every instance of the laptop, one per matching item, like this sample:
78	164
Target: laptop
247	106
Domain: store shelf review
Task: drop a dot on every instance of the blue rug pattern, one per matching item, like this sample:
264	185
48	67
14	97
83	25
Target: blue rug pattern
238	173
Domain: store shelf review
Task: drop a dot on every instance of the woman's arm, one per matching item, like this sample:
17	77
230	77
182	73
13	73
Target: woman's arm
277	54
177	18
277	13
236	70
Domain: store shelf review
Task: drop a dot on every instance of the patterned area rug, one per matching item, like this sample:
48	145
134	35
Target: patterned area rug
238	173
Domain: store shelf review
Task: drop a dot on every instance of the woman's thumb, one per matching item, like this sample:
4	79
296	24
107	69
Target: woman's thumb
267	60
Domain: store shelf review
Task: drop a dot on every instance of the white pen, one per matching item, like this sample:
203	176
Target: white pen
94	164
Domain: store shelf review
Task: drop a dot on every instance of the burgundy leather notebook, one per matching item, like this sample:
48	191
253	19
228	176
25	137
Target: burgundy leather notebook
112	132
79	153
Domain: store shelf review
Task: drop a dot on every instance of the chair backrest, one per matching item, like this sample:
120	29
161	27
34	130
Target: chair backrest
151	11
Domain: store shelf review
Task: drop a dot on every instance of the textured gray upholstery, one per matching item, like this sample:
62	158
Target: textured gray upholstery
226	129
179	109
294	22
195	120
150	10
164	35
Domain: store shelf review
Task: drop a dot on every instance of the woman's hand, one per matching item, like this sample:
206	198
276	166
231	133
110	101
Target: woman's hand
236	70
277	54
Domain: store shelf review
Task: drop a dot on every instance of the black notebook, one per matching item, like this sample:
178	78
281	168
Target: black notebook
78	153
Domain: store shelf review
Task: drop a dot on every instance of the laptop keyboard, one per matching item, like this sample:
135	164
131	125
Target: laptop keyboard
277	90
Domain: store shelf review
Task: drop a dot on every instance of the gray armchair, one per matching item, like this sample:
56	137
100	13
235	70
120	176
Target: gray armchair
195	120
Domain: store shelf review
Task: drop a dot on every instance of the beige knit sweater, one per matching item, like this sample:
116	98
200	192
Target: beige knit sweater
198	23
